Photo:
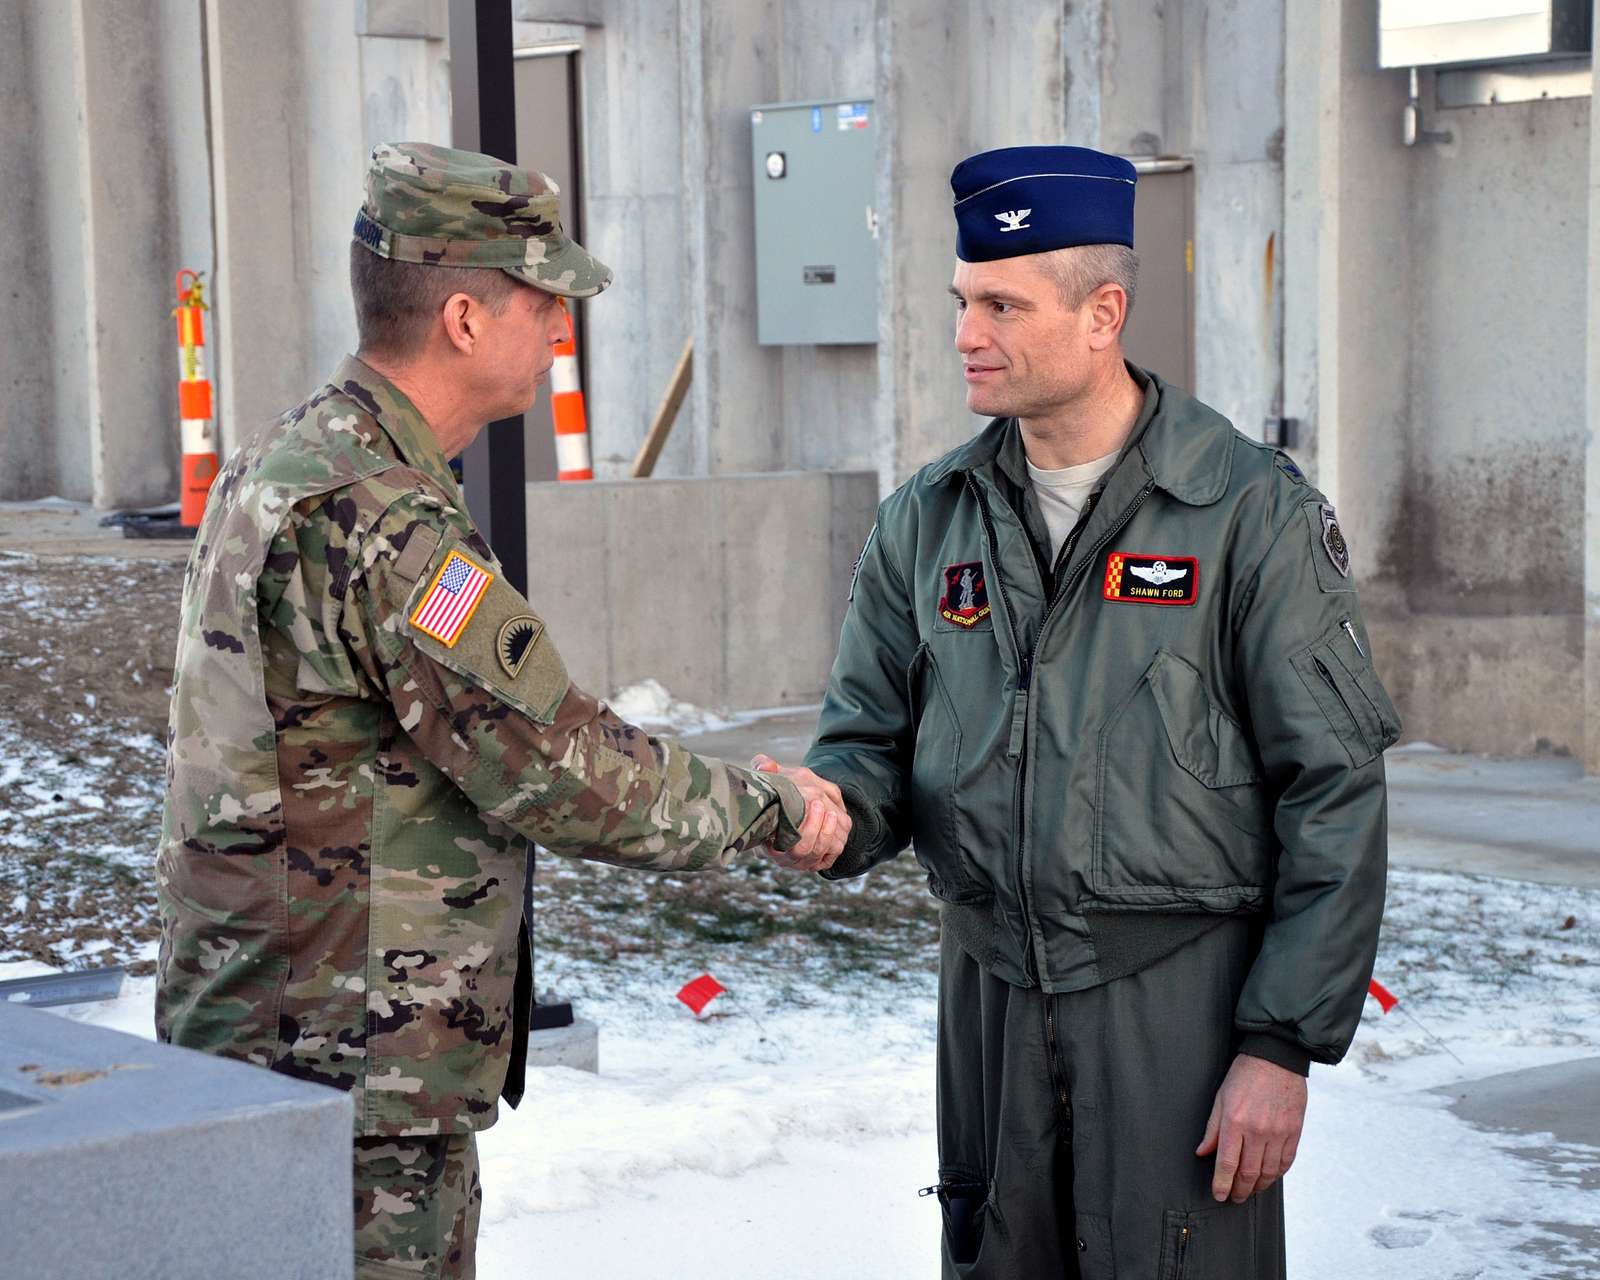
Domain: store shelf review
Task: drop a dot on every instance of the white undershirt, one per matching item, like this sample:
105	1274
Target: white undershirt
1063	492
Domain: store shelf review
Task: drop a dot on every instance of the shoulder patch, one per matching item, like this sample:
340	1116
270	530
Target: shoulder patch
451	599
1330	553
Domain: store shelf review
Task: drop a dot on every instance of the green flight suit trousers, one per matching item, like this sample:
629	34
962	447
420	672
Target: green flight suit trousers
1068	1123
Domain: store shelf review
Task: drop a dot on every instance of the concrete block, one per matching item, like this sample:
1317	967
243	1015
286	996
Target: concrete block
665	586
569	584
577	1046
413	19
184	1166
775	584
730	590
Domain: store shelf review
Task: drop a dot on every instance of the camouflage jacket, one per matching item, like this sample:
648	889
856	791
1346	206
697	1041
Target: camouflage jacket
368	725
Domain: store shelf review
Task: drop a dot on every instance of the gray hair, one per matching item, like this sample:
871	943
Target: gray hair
397	302
1079	271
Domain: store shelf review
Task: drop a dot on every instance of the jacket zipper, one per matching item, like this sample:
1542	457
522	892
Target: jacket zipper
1183	1251
1057	1076
1025	677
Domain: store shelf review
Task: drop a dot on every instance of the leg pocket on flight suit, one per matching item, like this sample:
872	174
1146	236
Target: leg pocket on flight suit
1209	1244
964	1204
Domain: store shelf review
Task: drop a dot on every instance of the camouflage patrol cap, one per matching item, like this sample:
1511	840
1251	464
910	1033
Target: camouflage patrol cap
461	209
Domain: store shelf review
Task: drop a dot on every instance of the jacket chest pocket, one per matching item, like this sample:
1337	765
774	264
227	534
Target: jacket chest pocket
937	830
1182	816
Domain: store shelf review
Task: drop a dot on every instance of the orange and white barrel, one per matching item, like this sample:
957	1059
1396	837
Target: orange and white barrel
573	460
196	420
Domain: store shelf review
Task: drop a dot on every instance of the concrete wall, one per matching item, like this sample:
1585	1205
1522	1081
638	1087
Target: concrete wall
729	590
1436	351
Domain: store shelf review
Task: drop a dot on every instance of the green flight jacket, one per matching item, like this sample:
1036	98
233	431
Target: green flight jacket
1185	722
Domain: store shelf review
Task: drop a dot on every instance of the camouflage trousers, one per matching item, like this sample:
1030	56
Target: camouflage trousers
417	1203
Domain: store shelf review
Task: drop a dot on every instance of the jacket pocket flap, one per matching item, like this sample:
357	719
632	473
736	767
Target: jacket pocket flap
1345	687
1205	741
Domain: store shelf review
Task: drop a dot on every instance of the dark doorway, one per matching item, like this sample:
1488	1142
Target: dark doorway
546	81
1160	332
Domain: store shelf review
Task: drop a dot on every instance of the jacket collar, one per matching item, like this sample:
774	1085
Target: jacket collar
402	422
1185	446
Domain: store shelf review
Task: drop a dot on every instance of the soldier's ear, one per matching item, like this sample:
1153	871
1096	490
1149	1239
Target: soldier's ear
461	316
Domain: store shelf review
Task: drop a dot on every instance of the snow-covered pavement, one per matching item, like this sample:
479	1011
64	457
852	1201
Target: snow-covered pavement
787	1137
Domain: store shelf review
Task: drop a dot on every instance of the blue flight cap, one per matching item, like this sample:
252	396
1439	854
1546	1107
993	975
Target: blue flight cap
1021	200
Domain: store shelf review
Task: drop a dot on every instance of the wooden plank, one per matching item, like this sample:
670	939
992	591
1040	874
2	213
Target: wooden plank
656	440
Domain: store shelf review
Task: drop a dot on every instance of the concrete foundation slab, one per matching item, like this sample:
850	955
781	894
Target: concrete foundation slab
189	1166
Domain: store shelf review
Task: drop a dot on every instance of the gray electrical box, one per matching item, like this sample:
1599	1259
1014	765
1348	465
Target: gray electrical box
1425	33
816	222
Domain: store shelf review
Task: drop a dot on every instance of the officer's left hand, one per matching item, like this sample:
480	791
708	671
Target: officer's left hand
1254	1127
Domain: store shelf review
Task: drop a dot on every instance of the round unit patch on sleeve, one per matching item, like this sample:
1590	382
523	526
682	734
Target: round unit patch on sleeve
451	599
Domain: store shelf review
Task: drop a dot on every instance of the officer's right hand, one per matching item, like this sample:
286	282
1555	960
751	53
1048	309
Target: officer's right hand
826	826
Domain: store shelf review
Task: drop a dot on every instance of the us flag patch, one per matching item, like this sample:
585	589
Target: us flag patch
449	603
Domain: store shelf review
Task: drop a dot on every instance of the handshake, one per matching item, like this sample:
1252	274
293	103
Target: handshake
826	826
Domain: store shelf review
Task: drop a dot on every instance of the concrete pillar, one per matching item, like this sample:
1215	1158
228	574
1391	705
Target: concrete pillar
922	92
145	145
256	84
28	463
1347	215
635	174
1591	452
730	55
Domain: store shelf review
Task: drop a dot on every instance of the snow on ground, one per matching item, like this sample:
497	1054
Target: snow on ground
649	705
787	1135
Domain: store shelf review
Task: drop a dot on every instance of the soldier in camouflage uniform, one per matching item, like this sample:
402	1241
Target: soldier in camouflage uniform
369	723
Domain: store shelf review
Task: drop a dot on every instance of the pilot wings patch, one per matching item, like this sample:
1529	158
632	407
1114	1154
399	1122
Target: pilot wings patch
1148	579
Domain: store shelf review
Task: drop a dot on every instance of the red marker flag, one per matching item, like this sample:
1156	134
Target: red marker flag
701	992
1382	995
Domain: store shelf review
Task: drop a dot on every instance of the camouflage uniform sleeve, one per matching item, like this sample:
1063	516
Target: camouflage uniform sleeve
477	683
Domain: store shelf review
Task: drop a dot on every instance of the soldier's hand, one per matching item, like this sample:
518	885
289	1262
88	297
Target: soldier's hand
1254	1127
826	826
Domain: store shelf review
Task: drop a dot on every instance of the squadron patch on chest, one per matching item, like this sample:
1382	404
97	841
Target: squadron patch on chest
451	599
966	595
1132	578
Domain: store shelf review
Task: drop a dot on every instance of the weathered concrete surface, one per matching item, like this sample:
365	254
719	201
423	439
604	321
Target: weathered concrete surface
185	1166
1526	819
730	591
1504	686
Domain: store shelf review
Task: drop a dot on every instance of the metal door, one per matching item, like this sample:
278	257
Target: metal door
547	140
1160	332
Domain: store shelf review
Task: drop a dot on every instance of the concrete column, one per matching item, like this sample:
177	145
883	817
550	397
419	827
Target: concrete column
924	109
28	463
635	174
257	88
729	63
144	133
1591	452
